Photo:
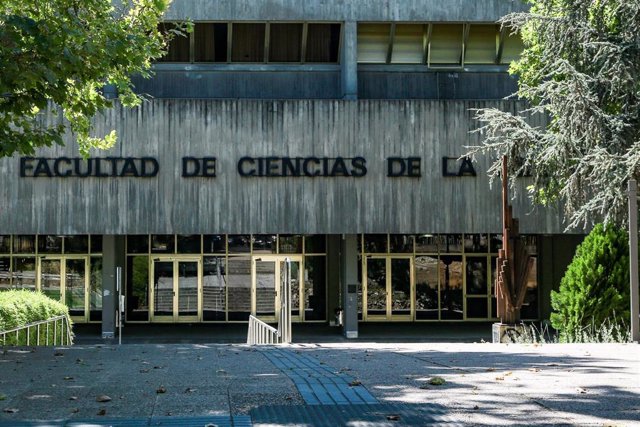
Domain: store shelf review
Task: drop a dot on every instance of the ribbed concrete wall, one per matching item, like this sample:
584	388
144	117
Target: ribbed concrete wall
228	130
348	10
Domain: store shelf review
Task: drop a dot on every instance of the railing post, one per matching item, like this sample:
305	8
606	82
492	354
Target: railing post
633	259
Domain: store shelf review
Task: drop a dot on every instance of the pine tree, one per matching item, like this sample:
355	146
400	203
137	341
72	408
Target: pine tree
595	287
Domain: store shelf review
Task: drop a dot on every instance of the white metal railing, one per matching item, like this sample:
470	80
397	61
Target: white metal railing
262	333
54	331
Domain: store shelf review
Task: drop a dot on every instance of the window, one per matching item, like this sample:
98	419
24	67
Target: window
210	42
178	49
323	43
248	42
445	45
481	47
373	43
408	44
285	42
511	47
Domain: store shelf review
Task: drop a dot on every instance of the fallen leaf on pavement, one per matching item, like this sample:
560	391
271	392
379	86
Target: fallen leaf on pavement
161	390
102	412
354	383
437	381
11	410
103	398
393	417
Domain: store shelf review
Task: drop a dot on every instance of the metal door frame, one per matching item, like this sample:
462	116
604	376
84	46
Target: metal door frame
389	301
63	279
278	277
175	317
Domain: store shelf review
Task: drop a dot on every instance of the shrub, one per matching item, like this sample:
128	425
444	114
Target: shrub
595	288
21	307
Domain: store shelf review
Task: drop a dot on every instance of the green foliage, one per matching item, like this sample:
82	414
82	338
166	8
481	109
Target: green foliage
579	138
59	54
595	288
20	307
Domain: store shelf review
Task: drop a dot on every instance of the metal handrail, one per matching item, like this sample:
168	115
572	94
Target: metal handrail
261	333
59	326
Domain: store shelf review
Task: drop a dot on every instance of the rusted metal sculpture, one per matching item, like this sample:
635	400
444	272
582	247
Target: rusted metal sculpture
513	264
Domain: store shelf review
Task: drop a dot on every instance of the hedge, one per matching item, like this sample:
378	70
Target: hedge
20	307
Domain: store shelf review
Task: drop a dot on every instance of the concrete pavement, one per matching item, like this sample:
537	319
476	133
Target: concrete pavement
485	384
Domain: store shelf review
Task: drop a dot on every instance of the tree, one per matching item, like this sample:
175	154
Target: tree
579	71
59	54
595	288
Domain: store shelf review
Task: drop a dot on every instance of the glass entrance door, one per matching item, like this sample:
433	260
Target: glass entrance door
267	275
389	288
65	279
175	289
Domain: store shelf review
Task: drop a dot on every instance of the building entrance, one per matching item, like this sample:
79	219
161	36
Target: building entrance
66	279
388	292
175	290
266	275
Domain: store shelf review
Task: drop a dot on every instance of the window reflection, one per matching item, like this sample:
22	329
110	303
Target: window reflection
164	243
239	243
76	244
239	287
315	293
264	244
24	273
50	244
375	243
5	273
95	289
5	244
426	288
137	288
214	244
429	243
189	244
401	243
24	244
214	288
476	243
290	243
451	289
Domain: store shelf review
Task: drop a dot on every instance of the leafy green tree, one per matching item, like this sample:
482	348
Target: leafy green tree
595	288
580	138
59	54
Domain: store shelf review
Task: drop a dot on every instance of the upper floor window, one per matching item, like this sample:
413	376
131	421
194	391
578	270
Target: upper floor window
256	42
437	44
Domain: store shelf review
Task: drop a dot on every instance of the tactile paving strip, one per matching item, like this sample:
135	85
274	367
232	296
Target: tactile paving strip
317	383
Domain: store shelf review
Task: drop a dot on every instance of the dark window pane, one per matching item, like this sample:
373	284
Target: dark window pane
376	287
163	243
476	276
323	43
75	295
95	290
477	308
189	244
178	48
496	242
137	288
5	244
316	244
248	43
264	244
214	244
285	42
214	292
210	42
375	243
239	288
451	287
96	244
492	280
76	244
359	286
24	244
400	286
476	243
429	243
494	307
239	243
24	273
49	244
401	243
426	270
5	273
138	244
531	241
453	243
290	243
530	307
315	288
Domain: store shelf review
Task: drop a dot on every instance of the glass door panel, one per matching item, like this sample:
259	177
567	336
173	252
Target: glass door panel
265	290
74	284
427	294
400	286
295	287
187	292
163	288
239	292
50	278
214	289
376	287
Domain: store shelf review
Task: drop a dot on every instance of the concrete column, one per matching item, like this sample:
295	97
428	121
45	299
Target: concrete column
334	296
349	60
113	255
349	285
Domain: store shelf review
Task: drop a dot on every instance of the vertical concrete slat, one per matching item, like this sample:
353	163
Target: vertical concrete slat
349	60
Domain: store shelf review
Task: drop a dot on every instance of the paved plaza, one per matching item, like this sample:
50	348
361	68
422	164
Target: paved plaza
343	383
